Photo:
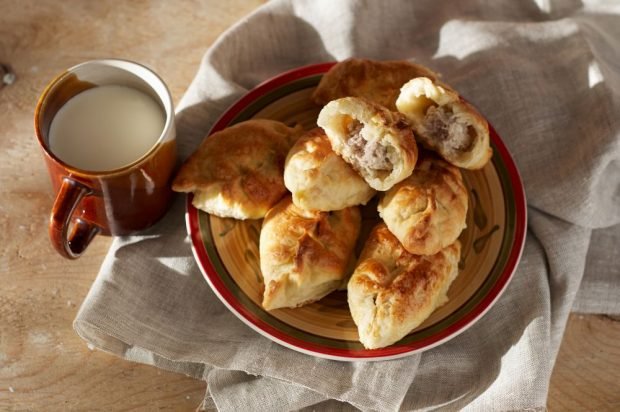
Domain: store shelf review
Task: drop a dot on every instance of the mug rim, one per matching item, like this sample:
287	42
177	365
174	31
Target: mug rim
123	64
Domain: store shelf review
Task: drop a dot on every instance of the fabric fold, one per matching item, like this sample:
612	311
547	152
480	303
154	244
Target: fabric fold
546	76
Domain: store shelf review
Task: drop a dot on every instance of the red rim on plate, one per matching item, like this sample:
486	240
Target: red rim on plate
513	193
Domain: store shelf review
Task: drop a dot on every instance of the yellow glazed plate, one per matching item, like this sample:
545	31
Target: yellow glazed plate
226	250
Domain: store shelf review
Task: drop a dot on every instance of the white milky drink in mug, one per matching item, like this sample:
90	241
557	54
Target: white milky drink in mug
107	134
106	128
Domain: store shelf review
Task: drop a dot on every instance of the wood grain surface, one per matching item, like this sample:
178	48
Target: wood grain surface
44	365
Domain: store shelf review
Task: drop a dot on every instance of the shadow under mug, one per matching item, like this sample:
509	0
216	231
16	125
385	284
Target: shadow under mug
115	202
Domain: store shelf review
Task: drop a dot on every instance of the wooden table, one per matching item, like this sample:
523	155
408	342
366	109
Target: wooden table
43	364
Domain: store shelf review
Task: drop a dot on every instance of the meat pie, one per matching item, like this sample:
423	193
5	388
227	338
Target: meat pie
375	80
237	172
428	210
393	291
319	179
376	142
305	255
443	122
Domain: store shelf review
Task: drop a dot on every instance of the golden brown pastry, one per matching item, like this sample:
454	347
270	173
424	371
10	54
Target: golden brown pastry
393	291
426	211
445	123
378	143
319	179
305	255
377	81
237	172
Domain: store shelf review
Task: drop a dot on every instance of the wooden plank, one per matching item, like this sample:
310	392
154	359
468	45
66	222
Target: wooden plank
587	372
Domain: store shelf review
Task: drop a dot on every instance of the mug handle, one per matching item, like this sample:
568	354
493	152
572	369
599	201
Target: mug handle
69	196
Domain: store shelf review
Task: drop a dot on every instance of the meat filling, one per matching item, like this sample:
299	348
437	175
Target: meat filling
451	133
369	154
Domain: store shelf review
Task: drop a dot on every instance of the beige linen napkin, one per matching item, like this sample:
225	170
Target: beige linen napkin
545	73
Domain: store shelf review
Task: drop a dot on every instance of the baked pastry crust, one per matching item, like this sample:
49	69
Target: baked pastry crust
237	172
393	291
305	255
427	211
377	142
377	81
445	123
319	179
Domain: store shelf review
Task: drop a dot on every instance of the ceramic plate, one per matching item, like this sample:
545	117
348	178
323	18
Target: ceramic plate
226	250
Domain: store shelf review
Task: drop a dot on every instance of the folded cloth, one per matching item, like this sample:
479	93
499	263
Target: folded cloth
545	73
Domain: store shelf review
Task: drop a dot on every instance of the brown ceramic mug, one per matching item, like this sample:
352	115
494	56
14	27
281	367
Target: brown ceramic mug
116	202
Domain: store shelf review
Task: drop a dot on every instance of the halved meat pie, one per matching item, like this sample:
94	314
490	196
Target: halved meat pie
378	143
